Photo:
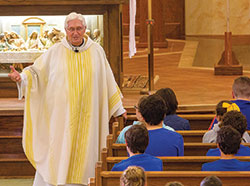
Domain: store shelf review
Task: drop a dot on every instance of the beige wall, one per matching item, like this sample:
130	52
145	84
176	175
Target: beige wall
208	17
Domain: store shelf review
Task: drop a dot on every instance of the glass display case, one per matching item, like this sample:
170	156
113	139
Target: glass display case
24	38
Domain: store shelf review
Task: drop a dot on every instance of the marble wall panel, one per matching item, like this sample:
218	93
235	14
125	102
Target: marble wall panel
208	17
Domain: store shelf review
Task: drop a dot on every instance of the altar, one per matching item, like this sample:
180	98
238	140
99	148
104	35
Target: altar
20	56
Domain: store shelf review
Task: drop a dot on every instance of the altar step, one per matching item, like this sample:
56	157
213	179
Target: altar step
13	162
8	88
11	142
15	166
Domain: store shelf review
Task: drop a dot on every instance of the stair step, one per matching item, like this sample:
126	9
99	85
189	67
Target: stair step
11	114
8	89
11	133
13	162
11	122
11	144
15	166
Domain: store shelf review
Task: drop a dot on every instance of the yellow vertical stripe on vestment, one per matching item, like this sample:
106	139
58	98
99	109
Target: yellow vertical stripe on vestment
80	82
115	98
29	129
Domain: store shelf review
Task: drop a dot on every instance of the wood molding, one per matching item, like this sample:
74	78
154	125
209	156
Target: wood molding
61	2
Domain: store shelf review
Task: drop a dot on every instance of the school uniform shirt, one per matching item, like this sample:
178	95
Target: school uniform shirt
146	161
164	142
243	151
244	106
226	165
176	122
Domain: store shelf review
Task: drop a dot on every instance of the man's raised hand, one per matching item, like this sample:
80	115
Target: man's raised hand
14	75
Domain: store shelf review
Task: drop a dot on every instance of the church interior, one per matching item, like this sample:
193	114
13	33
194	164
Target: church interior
190	40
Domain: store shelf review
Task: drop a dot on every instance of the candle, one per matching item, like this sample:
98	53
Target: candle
228	15
149	9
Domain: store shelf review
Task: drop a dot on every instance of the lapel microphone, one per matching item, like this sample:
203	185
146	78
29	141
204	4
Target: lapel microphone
75	49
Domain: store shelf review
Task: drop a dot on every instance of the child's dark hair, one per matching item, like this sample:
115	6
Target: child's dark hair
170	99
152	109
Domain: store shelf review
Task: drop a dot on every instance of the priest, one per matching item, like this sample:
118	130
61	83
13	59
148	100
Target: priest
70	94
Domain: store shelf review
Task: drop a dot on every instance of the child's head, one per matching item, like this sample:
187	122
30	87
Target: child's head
152	109
174	183
133	176
225	106
236	120
170	99
228	140
137	138
211	181
241	88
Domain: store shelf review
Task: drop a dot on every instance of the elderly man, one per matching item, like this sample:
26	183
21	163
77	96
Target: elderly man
70	94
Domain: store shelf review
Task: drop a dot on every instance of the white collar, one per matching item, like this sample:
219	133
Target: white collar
86	44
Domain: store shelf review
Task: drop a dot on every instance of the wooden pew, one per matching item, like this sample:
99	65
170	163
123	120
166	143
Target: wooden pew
192	136
188	178
190	149
91	182
185	109
191	112
188	135
197	121
183	163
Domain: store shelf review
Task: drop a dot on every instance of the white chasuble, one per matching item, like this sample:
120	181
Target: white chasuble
69	98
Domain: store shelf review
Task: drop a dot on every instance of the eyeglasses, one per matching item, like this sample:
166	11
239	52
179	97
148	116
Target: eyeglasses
78	29
136	107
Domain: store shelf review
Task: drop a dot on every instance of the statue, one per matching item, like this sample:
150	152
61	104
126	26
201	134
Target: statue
88	32
97	36
4	46
43	38
58	35
33	41
16	41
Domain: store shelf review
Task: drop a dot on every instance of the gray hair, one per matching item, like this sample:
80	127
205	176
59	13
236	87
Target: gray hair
72	16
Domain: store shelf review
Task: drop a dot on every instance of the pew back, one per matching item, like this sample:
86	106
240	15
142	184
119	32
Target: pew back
190	149
185	163
188	178
197	121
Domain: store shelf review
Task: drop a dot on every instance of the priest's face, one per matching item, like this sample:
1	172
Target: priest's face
75	31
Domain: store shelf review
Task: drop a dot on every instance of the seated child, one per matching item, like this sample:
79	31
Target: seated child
241	96
121	138
162	142
211	181
133	176
221	108
137	141
171	119
237	121
174	183
228	141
